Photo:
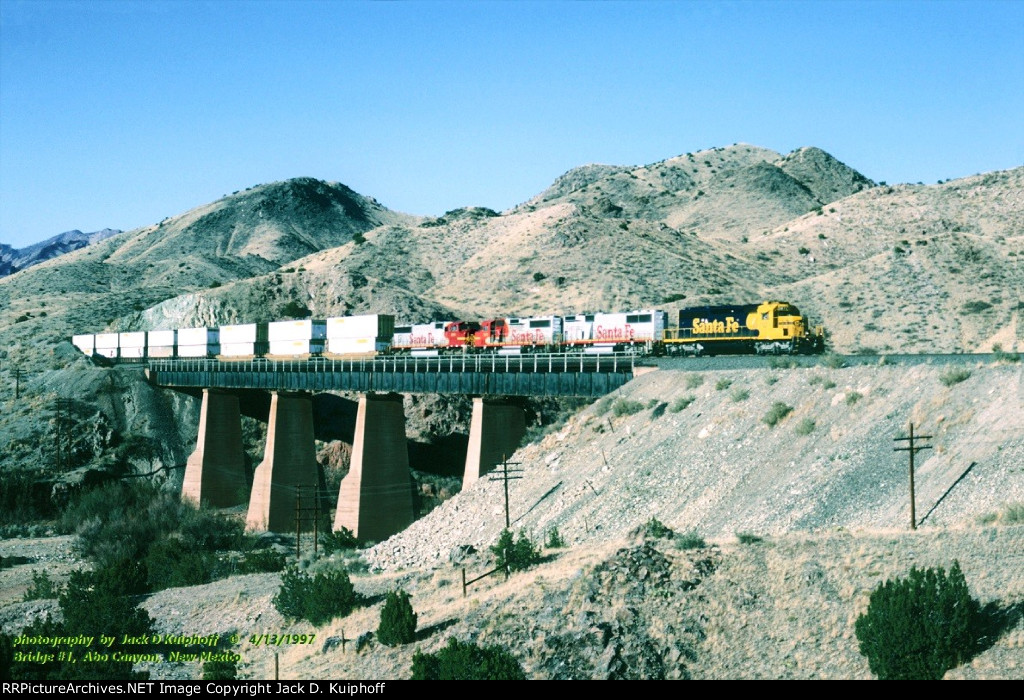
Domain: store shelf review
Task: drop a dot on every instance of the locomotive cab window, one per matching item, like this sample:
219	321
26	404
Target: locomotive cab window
540	324
638	318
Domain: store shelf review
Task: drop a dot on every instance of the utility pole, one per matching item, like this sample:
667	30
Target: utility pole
302	512
298	519
912	449
506	475
60	408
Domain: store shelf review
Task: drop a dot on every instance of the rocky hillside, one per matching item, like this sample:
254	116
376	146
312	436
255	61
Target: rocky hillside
108	284
884	268
788	475
782	528
724	225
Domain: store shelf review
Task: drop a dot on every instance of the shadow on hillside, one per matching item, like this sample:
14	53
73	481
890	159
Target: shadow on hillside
995	620
427	632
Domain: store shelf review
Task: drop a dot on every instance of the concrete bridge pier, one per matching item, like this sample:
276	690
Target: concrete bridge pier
215	471
287	477
375	499
495	431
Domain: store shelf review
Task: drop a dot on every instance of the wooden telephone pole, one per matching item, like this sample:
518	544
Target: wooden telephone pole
912	449
505	476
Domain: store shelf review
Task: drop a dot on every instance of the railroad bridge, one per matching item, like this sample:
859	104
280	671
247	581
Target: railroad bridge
375	499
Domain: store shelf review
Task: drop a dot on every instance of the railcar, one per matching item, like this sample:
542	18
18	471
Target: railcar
771	327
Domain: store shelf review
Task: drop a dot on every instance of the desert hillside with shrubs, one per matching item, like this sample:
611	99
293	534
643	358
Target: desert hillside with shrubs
700	523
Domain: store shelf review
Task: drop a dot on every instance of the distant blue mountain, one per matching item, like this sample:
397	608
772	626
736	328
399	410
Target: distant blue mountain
13	259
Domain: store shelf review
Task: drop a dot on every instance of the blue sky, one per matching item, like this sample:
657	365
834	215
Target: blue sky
118	113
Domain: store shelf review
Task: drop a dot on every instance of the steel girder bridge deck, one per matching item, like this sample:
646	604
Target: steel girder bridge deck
508	375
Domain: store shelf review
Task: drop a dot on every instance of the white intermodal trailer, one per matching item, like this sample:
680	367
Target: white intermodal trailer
243	340
198	342
298	338
368	334
161	344
301	329
106	345
132	345
366	326
86	342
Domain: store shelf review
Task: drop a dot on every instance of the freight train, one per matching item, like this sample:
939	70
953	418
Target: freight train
768	328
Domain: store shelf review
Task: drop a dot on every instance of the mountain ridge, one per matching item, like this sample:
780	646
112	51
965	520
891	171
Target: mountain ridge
14	259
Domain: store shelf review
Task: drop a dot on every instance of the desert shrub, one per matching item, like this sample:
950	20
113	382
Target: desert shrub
554	540
517	555
603	406
804	427
203	528
919	627
397	620
777	412
135	531
852	398
1002	357
1013	513
318	598
828	384
42	588
262	561
833	361
782	363
89	607
1010	514
694	380
465	661
690	540
673	297
626	407
6	657
771	380
295	309
723	384
124	577
748	538
171	563
681	403
655	529
338	541
119	520
738	395
220	670
974	307
954	375
23	497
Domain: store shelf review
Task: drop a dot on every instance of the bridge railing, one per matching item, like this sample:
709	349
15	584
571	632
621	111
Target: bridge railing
528	363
